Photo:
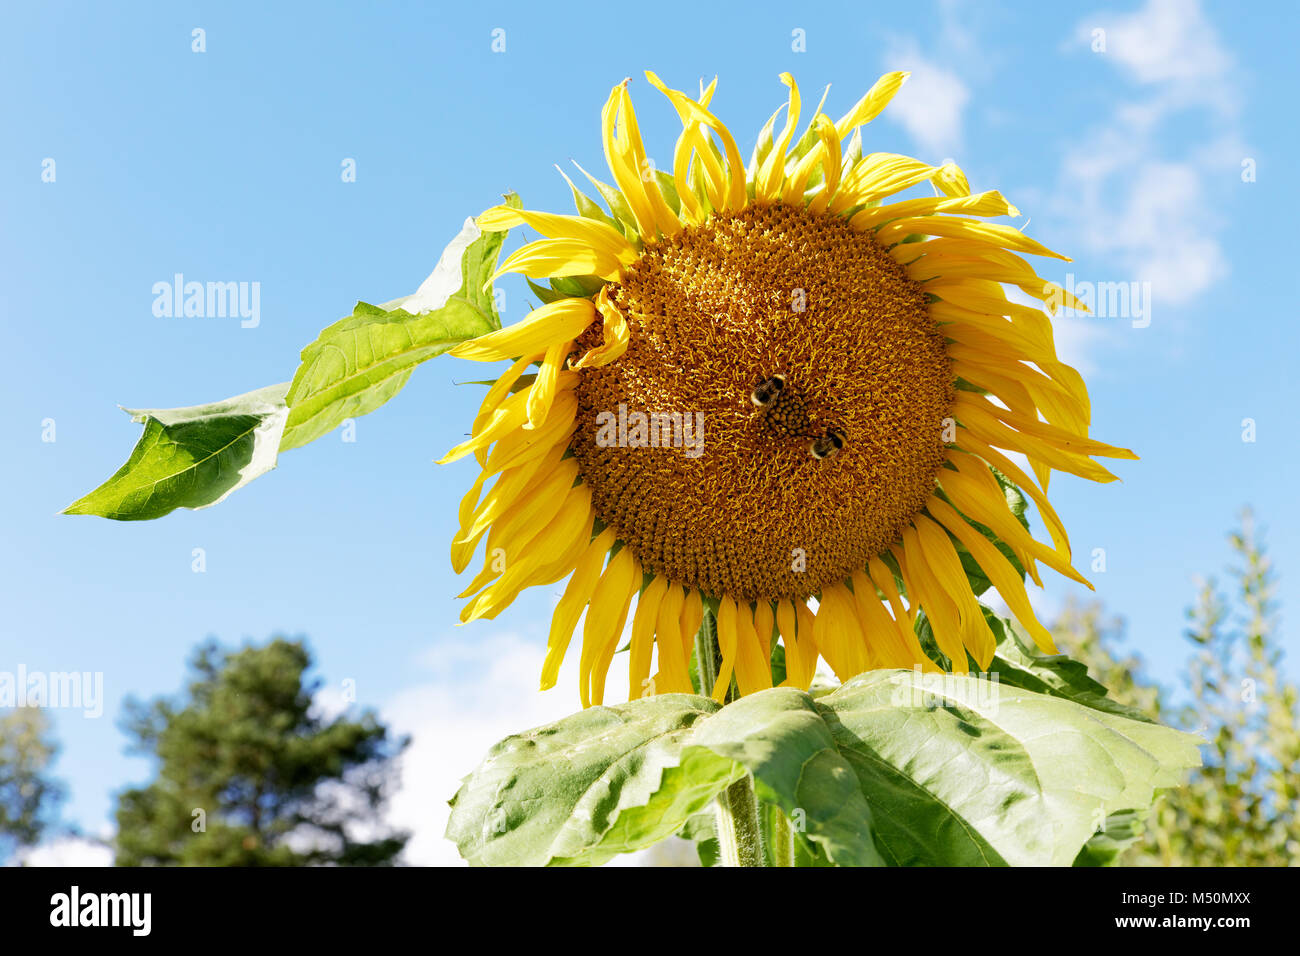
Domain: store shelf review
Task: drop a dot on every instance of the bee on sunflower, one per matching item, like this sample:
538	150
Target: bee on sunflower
862	378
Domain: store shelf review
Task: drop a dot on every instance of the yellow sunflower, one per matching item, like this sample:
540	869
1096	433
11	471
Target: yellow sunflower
760	387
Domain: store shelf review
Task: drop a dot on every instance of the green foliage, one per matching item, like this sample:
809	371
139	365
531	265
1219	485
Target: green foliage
250	775
28	796
360	362
555	794
195	457
192	457
1239	809
893	767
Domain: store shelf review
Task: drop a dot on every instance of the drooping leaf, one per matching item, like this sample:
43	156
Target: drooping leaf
556	792
959	770
782	739
192	457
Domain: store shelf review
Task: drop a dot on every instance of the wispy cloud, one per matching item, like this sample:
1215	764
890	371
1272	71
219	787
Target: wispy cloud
930	105
1135	199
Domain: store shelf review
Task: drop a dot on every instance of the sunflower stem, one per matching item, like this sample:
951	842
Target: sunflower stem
706	654
740	830
780	837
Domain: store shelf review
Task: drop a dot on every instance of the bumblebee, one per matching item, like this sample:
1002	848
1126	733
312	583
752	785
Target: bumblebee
768	391
781	406
828	445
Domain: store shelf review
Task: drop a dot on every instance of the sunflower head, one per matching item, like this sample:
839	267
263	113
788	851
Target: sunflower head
767	386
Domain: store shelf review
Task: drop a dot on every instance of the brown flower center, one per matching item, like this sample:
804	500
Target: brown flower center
777	417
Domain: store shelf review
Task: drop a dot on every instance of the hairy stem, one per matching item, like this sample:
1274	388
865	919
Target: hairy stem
740	830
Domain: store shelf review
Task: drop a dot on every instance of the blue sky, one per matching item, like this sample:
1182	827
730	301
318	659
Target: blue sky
225	165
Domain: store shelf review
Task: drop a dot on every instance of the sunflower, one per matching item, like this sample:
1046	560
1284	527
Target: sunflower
763	388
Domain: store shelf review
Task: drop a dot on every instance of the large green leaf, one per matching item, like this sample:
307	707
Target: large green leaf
961	770
554	793
894	767
360	362
781	738
192	457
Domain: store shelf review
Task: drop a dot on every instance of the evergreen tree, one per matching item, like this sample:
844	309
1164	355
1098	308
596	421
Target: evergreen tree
249	774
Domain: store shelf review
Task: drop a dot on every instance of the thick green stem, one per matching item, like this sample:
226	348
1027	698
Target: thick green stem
780	837
706	654
740	829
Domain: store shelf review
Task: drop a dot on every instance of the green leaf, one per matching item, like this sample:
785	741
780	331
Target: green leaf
668	189
959	770
1119	831
702	829
192	457
554	793
1019	663
893	767
360	362
782	738
587	207
618	206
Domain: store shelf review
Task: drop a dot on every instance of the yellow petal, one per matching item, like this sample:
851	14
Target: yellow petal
871	104
989	203
767	182
541	394
727	646
674	678
554	258
643	635
606	614
689	109
576	595
557	321
567	534
615	332
753	664
996	568
1004	237
597	234
880	632
942	561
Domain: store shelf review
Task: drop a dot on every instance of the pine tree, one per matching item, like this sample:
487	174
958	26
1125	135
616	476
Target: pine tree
249	774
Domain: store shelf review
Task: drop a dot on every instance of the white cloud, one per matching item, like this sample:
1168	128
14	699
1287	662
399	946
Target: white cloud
68	851
1136	203
1166	41
931	102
